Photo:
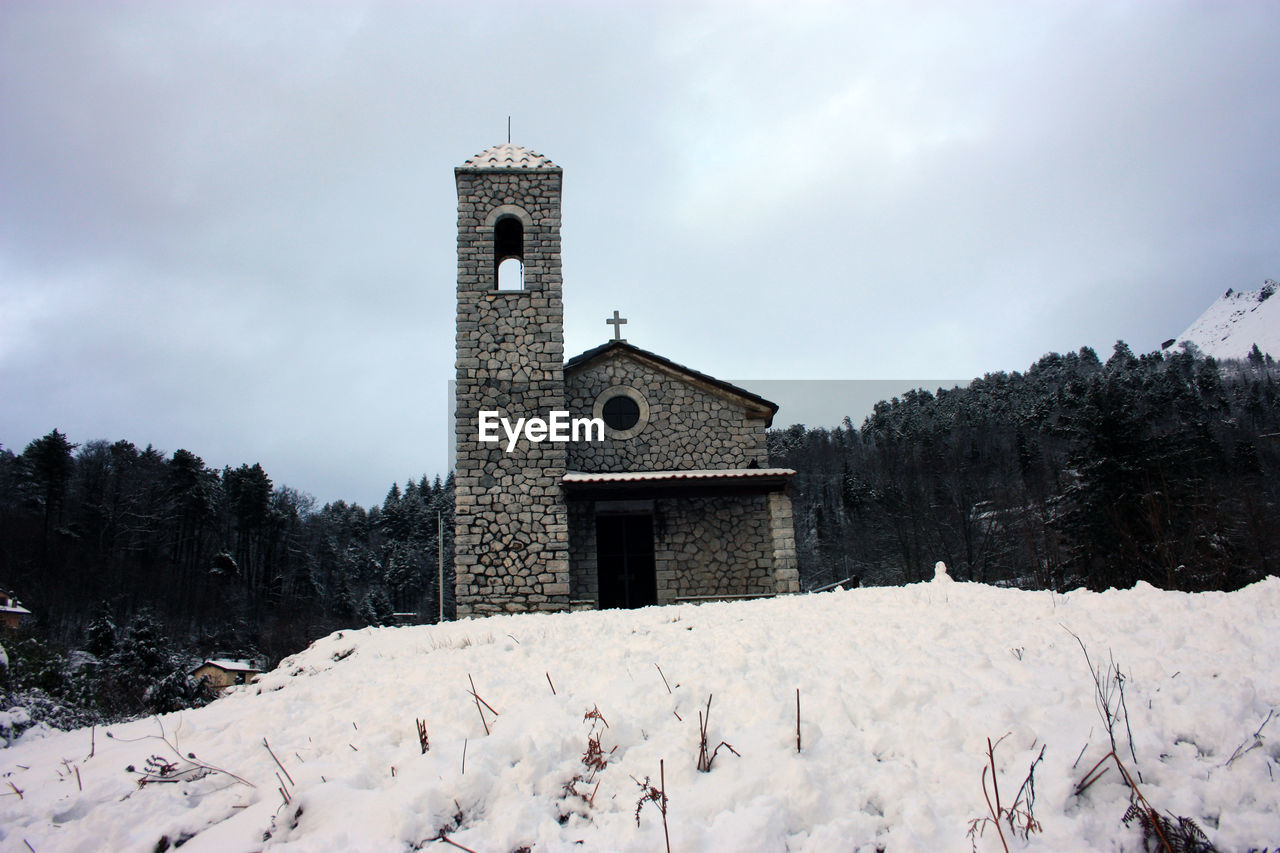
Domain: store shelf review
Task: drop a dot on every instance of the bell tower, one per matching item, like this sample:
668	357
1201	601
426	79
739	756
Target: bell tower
511	522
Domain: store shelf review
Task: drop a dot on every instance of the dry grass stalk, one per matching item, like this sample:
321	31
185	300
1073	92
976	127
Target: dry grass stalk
664	677
1257	741
595	760
662	780
1176	834
480	702
423	741
797	719
1108	698
657	796
1076	763
442	834
277	760
1020	816
706	759
194	764
1169	834
553	687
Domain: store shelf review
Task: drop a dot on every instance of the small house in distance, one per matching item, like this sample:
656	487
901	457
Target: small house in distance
11	612
223	673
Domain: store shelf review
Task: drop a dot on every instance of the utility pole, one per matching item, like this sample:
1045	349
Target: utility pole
440	558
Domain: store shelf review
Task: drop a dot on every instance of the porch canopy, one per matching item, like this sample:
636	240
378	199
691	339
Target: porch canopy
624	485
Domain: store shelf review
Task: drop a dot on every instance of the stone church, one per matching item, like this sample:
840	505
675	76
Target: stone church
669	498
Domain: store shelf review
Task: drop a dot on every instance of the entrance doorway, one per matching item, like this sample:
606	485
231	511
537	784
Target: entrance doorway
624	561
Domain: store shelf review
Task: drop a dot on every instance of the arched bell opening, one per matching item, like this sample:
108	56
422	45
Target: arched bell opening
508	253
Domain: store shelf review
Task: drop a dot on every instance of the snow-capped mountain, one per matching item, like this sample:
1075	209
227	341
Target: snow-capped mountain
1236	321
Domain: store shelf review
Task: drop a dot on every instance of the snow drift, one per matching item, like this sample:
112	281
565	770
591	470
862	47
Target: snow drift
900	688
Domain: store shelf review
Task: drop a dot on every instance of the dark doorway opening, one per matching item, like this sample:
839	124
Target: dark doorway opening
624	561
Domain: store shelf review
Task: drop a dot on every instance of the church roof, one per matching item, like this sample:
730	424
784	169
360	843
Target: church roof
509	157
764	408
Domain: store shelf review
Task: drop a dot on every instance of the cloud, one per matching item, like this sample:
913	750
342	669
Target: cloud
230	227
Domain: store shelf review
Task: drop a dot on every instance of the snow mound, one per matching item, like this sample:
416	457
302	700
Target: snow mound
899	690
12	722
1236	321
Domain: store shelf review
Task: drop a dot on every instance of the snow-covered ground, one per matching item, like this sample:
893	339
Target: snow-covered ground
900	688
1236	321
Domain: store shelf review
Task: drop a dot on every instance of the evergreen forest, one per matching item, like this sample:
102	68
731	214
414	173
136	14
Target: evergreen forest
1163	468
137	565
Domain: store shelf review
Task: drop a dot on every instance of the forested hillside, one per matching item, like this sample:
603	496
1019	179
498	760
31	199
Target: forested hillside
225	559
1163	468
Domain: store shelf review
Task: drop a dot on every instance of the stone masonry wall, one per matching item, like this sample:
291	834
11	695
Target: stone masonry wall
688	426
714	546
584	584
511	520
786	571
703	546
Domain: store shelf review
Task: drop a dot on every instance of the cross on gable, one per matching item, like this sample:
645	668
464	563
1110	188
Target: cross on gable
617	322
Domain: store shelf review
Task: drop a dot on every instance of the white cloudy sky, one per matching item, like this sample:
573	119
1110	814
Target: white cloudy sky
229	227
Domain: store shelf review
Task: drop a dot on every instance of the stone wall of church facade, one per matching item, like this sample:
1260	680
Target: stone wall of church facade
715	546
703	547
687	427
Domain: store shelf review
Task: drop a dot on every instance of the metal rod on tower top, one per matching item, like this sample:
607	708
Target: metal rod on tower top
508	130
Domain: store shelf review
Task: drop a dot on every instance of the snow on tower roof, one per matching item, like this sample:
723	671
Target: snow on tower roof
509	156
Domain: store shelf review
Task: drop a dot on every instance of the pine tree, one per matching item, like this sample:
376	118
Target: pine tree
100	635
50	466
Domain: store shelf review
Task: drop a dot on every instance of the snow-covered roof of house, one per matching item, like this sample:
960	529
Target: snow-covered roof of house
233	665
508	156
9	604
